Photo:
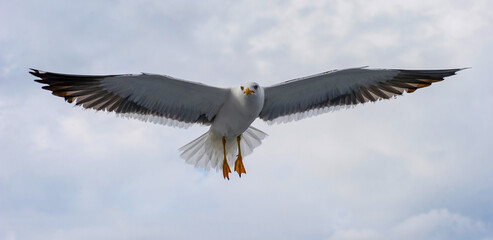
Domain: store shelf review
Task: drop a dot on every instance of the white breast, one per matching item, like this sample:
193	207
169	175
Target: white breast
238	112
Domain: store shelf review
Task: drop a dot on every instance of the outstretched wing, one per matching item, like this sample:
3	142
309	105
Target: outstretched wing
303	97
148	97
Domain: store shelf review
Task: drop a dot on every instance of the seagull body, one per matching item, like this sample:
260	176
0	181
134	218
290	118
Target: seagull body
239	110
230	112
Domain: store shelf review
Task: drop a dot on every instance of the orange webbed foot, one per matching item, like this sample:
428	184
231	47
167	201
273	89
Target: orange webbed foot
226	169
239	168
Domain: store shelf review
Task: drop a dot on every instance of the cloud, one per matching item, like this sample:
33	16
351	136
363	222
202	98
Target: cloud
441	224
435	224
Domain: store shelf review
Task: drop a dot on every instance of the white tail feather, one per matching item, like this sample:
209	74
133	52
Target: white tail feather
207	150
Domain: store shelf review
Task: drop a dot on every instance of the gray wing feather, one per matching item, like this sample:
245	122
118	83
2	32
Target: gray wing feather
303	97
150	97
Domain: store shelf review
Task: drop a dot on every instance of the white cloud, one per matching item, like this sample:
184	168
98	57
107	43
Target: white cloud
435	224
441	224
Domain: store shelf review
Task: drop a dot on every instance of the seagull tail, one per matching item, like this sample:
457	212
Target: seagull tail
207	150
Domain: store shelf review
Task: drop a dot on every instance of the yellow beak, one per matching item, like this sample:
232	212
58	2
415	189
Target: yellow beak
248	91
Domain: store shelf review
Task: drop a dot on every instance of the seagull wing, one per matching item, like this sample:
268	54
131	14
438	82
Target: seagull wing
312	95
148	97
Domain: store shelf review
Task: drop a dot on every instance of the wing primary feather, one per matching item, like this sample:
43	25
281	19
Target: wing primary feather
386	87
407	80
367	94
359	96
116	104
81	93
89	98
55	88
400	84
97	104
107	105
376	91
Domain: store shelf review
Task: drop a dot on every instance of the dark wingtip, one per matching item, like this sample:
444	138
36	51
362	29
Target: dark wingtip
460	69
456	70
35	72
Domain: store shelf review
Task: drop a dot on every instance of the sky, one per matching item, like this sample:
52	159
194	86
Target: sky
415	167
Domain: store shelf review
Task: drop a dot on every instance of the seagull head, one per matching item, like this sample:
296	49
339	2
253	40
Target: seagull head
249	88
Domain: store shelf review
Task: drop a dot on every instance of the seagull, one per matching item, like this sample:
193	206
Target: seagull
230	111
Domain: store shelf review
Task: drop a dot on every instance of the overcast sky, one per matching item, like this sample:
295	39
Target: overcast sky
416	167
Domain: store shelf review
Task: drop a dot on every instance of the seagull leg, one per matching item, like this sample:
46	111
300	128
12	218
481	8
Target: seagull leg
239	168
226	169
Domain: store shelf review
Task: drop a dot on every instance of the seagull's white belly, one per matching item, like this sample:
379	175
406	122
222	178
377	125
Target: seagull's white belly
237	114
231	122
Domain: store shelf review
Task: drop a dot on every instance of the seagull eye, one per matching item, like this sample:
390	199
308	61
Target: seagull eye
256	86
242	88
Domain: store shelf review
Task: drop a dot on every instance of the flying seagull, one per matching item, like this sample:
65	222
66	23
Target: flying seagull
230	111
